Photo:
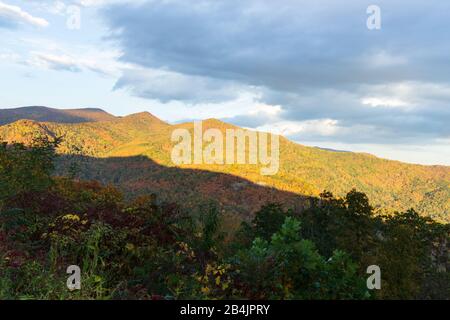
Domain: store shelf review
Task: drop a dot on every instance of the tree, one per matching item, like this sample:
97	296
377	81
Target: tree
268	220
288	267
25	170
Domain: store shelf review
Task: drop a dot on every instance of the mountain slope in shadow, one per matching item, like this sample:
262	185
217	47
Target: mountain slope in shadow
391	185
190	188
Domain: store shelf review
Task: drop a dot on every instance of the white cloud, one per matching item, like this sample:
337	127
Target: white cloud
165	86
267	109
410	95
104	63
384	102
56	7
60	5
321	127
16	14
94	3
8	56
385	59
55	62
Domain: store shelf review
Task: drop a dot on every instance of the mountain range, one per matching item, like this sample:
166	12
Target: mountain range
134	153
54	115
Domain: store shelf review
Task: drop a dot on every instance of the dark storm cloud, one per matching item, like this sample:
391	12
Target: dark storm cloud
316	59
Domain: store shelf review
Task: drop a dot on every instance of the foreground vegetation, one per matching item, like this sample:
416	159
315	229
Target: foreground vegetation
146	249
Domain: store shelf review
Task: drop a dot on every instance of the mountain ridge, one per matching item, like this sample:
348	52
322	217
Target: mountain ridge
305	171
46	114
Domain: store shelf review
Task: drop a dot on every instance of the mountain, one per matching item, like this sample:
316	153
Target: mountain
54	115
134	153
329	149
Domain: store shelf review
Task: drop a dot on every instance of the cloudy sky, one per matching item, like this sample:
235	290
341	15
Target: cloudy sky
310	70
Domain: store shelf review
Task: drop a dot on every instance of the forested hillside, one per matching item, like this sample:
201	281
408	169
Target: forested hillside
54	115
134	152
147	249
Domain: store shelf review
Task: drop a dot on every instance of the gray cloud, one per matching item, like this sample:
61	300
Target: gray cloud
316	59
55	62
169	86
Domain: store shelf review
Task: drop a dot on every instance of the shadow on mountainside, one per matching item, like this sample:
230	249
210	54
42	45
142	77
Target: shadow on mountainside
139	175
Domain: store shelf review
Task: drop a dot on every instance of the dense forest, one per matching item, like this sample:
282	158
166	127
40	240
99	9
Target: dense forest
147	248
134	154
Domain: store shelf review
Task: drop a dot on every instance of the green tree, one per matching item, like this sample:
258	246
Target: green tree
288	267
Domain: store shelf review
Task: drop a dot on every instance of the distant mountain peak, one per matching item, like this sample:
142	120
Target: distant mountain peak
211	123
144	116
46	114
331	150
